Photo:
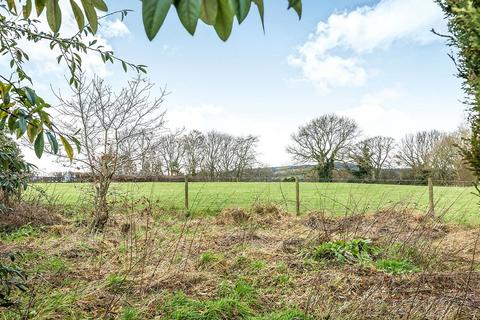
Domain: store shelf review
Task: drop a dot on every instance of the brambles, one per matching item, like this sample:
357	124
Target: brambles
361	251
353	251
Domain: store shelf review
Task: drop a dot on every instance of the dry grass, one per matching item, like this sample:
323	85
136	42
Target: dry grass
137	267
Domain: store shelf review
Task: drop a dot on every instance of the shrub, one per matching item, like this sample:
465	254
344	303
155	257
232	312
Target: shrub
14	171
11	279
356	250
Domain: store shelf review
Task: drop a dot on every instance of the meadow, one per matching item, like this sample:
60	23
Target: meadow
454	204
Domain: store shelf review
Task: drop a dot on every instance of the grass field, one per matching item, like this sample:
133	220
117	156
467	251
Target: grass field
456	204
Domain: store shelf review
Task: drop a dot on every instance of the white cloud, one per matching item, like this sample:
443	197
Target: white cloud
114	29
384	113
331	56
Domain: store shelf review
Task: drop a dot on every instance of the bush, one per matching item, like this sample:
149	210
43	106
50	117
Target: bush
352	251
14	171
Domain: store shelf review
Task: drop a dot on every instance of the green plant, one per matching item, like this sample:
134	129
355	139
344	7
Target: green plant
241	290
282	279
130	313
353	251
208	257
180	307
22	233
116	282
56	264
14	170
11	279
396	267
257	265
289	314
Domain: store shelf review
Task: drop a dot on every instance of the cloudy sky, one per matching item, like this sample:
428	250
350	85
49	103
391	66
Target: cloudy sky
375	61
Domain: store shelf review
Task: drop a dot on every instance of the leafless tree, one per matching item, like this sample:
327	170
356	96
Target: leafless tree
323	141
227	154
416	152
212	153
170	147
115	130
245	154
194	148
372	155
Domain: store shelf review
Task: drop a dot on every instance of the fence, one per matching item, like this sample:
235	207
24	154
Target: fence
336	197
430	186
79	178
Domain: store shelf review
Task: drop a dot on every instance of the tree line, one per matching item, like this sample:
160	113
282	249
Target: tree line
209	155
330	140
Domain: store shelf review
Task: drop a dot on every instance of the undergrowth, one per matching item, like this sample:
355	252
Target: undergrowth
363	252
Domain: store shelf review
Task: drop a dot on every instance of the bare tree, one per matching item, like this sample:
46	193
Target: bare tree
245	154
170	147
416	152
194	148
111	126
227	154
212	153
372	155
323	141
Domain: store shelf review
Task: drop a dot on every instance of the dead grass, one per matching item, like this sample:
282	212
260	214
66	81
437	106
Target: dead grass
144	258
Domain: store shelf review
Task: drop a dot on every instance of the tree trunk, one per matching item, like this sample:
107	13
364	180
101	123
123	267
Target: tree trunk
101	206
325	170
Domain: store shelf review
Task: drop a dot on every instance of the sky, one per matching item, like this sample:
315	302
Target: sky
375	61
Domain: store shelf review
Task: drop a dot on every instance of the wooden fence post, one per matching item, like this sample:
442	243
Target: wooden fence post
186	192
431	203
297	196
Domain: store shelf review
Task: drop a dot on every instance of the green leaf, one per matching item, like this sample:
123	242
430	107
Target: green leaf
242	8
30	95
261	11
78	14
189	13
68	148
154	13
91	14
53	142
100	5
22	126
31	132
77	143
39	6
208	11
224	23
54	15
297	6
39	145
27	9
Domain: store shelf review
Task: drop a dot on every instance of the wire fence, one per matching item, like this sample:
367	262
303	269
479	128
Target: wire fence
455	201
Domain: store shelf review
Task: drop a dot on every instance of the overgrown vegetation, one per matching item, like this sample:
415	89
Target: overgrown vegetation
154	263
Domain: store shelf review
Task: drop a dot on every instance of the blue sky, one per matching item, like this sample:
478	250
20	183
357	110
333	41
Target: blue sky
375	61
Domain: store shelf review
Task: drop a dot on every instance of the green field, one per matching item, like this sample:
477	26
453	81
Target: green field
456	204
